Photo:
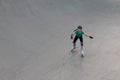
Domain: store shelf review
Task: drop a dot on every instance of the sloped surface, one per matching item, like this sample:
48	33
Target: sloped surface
35	40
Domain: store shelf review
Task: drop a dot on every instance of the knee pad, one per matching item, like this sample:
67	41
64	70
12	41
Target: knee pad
81	43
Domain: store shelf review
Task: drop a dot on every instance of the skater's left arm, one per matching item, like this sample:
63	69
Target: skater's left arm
88	36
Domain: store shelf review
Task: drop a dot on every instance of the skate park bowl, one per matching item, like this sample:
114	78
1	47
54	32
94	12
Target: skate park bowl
35	39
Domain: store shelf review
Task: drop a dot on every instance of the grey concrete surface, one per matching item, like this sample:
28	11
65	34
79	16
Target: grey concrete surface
35	39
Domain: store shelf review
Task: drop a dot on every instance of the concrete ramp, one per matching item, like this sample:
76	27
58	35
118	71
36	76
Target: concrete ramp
35	40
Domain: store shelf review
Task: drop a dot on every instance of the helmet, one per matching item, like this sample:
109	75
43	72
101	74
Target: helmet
79	27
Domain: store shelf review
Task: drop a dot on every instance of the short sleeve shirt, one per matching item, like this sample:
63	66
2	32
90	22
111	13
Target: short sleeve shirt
78	34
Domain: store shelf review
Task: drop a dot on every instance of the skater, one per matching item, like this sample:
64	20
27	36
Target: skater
79	35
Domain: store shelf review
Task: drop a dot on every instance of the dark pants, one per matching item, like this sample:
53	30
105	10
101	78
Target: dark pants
80	38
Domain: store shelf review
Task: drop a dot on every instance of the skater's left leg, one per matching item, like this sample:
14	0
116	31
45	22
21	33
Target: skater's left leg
81	43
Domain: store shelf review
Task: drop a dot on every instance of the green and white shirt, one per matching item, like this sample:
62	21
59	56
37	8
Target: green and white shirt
78	34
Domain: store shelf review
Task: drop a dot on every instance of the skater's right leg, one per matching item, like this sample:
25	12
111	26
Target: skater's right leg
74	42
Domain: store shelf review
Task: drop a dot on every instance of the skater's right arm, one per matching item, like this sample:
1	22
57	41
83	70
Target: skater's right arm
72	35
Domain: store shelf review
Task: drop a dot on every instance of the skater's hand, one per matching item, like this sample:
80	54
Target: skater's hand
71	37
90	37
